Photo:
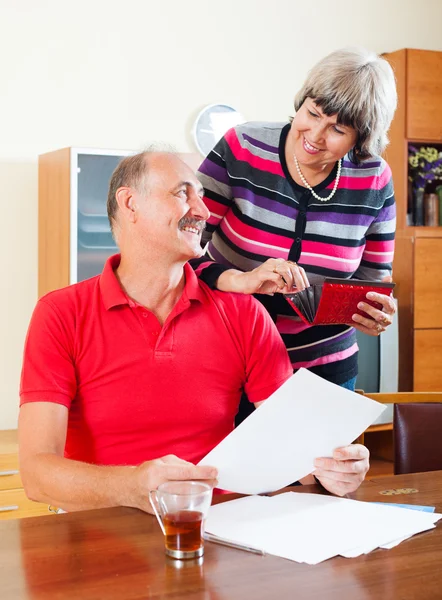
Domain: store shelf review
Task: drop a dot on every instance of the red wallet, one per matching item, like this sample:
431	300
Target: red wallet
335	301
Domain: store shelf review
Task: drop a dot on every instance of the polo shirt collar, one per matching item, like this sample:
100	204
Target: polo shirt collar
113	295
110	287
192	288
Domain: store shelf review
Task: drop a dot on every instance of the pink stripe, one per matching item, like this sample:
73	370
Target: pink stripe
332	249
380	246
328	359
379	258
257	235
325	263
202	266
215	207
214	221
385	247
260	250
241	153
364	183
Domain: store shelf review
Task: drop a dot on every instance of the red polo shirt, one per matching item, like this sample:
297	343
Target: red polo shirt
137	390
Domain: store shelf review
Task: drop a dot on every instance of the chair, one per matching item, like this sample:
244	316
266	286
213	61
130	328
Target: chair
417	429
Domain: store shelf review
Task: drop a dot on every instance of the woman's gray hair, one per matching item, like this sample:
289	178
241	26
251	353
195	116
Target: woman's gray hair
359	87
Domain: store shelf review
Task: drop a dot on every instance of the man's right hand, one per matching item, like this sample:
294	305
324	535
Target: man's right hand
150	474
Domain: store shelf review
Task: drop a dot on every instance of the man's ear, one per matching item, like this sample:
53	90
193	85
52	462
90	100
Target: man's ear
127	204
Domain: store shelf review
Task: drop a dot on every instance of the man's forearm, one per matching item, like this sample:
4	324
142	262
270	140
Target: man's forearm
73	485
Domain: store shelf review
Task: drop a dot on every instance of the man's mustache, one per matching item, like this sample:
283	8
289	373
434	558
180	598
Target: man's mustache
190	222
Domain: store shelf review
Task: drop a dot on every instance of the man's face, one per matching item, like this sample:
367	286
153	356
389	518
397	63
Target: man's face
172	214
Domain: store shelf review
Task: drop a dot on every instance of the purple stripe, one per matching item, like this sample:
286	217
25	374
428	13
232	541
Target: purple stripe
291	212
219	258
212	170
261	145
369	165
387	213
263	202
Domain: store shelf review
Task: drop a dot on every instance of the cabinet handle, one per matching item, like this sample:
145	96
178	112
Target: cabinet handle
5	473
8	508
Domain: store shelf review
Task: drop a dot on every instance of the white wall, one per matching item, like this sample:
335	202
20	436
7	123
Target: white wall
123	73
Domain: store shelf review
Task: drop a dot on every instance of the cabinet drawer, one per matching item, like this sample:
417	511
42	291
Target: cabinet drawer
9	475
427	360
428	283
15	505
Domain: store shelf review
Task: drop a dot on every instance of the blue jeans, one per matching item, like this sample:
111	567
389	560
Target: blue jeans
349	385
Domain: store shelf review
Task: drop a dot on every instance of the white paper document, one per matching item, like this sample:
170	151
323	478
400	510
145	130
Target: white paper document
306	418
311	528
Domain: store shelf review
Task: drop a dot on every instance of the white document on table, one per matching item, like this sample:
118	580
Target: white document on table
306	418
311	528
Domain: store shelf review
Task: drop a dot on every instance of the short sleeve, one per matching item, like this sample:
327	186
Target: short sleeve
48	371
267	361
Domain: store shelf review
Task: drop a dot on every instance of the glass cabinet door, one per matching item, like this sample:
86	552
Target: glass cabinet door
94	239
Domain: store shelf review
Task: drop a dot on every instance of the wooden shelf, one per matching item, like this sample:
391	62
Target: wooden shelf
427	142
423	232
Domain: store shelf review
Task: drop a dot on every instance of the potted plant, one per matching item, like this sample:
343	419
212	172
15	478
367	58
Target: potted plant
424	169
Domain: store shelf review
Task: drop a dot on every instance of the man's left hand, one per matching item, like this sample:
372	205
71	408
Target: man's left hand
345	472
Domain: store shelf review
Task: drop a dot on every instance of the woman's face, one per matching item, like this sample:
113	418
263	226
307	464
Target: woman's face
318	140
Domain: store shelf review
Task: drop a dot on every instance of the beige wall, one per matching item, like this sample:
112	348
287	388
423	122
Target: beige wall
120	74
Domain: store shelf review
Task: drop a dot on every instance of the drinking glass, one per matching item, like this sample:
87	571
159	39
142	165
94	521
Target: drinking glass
181	508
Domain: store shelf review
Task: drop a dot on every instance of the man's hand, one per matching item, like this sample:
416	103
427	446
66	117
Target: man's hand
149	475
345	472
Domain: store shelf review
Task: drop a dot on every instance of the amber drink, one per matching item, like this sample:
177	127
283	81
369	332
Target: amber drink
183	530
181	508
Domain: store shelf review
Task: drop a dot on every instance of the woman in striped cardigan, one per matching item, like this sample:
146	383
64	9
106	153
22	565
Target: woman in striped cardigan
309	199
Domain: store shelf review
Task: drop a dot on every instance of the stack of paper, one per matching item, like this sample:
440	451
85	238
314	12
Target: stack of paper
306	418
311	528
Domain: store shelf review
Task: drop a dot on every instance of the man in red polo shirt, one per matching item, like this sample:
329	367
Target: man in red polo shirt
125	372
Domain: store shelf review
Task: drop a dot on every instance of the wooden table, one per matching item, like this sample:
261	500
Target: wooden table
118	554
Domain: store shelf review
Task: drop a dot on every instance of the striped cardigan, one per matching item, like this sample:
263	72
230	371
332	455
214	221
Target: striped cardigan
258	212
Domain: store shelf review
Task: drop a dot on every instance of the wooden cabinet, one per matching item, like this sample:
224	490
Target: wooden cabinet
424	95
428	284
428	360
74	237
417	267
9	472
14	504
13	501
427	346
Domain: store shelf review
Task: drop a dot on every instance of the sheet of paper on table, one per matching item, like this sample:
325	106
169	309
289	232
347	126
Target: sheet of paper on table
306	418
311	528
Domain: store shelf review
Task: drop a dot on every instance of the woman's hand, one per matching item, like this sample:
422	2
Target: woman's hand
377	320
276	275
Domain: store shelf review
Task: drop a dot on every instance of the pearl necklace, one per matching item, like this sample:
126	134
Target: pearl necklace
314	194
